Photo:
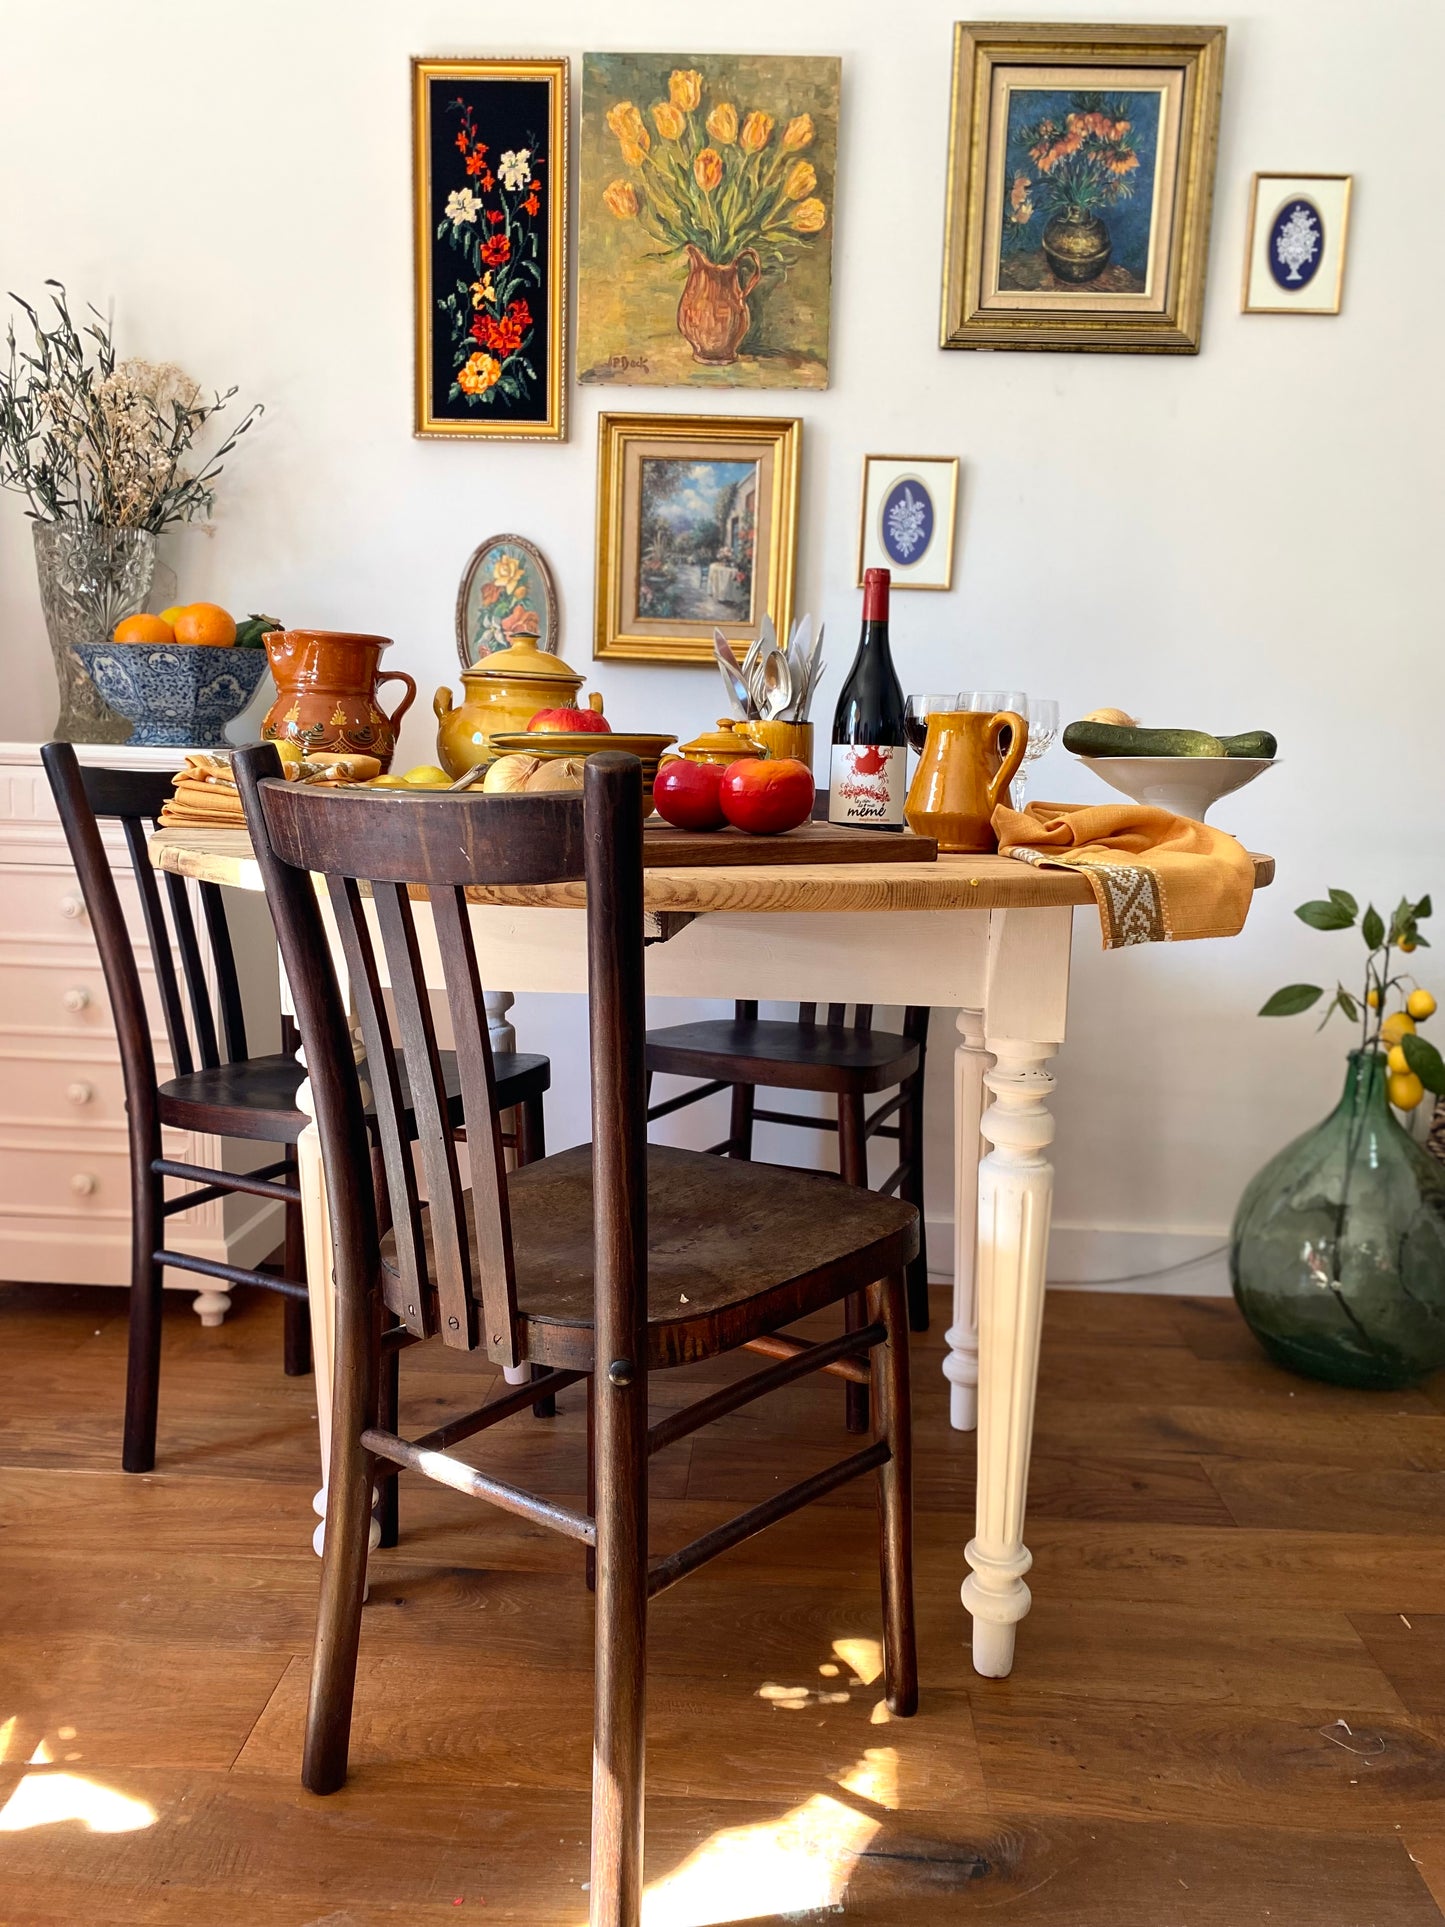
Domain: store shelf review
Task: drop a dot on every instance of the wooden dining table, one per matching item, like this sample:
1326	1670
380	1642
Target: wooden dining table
986	936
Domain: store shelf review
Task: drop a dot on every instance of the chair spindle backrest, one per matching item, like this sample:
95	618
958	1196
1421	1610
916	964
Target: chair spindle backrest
375	852
86	796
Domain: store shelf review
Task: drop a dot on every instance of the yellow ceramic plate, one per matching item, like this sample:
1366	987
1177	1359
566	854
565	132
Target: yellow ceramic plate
580	742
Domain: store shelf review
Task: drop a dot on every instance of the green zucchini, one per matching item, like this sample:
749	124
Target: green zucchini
1107	739
1256	742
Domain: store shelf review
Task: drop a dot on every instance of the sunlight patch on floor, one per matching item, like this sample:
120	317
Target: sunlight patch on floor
865	1656
792	1865
45	1799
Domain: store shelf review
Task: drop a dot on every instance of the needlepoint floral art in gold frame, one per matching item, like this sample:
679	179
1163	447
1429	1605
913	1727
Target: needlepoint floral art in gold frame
705	219
489	183
697	529
1080	182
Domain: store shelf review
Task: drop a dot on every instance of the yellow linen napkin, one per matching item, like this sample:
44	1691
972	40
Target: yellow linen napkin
1157	877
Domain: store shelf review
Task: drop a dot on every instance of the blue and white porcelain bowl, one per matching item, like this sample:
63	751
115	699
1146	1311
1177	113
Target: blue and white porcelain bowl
178	695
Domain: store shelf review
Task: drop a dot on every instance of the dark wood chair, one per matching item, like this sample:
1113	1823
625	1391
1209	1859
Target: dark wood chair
610	1261
843	1059
218	1089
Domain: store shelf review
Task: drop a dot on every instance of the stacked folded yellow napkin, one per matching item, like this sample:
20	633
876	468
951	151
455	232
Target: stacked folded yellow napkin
205	795
1157	877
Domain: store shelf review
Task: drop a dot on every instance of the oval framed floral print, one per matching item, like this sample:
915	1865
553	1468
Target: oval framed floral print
1294	262
907	520
507	595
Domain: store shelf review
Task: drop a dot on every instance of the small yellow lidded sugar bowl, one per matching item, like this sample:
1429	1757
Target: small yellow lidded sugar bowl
500	695
723	745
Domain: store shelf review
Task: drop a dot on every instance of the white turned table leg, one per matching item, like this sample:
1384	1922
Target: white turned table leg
211	1306
1015	1190
960	1361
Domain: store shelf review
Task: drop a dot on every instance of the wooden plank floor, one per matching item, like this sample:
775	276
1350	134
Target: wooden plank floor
1229	1705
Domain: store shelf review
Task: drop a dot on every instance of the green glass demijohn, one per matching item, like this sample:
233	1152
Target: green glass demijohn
1337	1256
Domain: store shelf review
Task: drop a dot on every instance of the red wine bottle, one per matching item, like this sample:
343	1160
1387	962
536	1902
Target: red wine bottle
867	780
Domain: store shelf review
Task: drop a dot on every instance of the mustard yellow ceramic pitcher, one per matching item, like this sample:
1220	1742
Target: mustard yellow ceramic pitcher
962	777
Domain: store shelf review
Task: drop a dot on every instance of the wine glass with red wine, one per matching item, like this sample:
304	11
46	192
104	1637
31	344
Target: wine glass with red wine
916	712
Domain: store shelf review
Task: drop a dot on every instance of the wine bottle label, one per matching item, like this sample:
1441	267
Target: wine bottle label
867	783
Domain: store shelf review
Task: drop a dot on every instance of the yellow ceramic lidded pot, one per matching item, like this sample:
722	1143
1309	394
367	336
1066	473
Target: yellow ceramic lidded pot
722	745
500	694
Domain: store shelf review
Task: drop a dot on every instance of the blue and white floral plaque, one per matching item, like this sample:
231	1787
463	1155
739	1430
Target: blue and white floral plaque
908	518
1295	263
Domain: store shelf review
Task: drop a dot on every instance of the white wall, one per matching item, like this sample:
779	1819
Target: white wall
1242	539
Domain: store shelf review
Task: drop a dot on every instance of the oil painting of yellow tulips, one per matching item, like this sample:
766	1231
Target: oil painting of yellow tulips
706	219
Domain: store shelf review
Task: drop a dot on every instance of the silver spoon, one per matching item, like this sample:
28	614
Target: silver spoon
738	693
777	684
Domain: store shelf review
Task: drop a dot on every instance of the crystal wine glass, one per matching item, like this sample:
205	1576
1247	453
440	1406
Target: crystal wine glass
916	712
1043	718
992	702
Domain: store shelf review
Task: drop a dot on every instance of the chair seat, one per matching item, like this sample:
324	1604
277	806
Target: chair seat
785	1056
734	1250
257	1098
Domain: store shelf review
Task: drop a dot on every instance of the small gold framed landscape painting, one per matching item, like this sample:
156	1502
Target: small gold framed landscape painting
1080	177
1295	260
489	185
697	529
906	524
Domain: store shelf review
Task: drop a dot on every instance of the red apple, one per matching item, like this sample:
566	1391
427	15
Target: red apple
686	794
559	720
766	794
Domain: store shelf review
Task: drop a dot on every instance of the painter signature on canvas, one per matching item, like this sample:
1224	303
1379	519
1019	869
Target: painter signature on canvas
696	540
706	220
1079	191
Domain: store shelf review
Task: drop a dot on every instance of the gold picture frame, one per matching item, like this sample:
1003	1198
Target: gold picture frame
697	529
1328	198
1129	284
489	222
919	555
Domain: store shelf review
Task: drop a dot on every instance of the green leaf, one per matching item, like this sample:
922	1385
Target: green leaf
1422	908
1323	915
1346	902
1426	1062
1347	1004
1290	1001
1372	928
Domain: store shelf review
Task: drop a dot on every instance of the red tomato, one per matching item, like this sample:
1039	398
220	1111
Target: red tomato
686	794
764	794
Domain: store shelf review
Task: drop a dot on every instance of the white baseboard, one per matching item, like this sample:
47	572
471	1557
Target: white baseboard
1115	1258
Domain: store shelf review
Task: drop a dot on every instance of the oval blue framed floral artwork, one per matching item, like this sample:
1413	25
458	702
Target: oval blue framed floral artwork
1296	244
905	522
507	596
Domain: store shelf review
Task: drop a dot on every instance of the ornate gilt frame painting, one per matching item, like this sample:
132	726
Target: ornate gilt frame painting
1080	182
489	185
697	529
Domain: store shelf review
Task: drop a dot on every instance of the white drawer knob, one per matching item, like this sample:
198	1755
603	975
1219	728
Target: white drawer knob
83	1184
72	907
76	998
80	1093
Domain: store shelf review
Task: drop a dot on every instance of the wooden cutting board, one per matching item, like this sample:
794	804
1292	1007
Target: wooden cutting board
664	848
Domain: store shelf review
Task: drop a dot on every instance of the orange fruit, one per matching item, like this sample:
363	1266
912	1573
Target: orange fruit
205	622
144	629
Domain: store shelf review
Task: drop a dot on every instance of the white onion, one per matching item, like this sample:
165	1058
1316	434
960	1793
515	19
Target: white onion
509	773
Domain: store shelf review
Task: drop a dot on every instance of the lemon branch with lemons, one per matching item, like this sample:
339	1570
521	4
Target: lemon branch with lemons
1413	1064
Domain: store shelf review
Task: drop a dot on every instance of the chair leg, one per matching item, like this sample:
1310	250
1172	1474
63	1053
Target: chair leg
388	1412
621	1654
297	1339
343	1563
740	1124
143	1352
895	1503
531	1131
853	1169
590	1568
910	1156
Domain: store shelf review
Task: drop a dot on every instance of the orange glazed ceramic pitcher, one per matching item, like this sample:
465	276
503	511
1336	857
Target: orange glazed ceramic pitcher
961	778
326	685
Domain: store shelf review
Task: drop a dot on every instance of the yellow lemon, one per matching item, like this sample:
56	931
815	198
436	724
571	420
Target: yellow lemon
387	783
1397	1060
1420	1005
1372	998
1405	1091
426	776
176	609
1396	1027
